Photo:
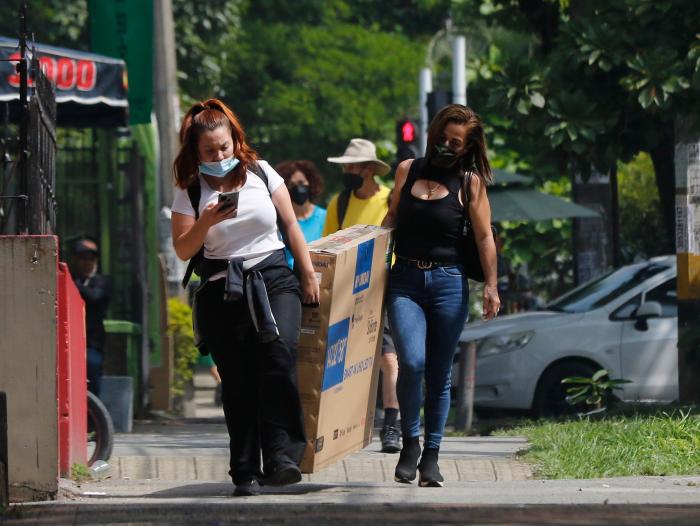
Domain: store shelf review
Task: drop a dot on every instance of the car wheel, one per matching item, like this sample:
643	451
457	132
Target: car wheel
550	395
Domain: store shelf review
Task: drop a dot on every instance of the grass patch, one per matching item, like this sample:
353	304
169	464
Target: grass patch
80	473
662	443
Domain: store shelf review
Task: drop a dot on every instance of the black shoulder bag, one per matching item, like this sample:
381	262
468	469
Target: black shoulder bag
472	261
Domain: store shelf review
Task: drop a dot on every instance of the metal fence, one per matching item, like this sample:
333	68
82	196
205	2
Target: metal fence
28	150
41	162
99	192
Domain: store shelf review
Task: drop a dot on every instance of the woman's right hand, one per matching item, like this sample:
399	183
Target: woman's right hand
215	213
310	290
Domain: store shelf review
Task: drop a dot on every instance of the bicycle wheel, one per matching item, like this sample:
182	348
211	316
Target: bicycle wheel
100	430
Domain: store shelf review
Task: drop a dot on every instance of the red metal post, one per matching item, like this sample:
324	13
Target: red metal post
72	374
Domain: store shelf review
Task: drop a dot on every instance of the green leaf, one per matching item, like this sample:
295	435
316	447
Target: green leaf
599	374
577	391
537	99
646	97
522	107
594	56
576	380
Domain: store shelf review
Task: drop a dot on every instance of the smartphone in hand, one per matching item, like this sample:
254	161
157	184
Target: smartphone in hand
230	200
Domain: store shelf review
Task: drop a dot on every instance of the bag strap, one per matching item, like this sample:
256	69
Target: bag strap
466	198
257	170
194	192
343	201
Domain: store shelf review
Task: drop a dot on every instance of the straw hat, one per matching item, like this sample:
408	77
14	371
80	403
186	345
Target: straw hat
362	151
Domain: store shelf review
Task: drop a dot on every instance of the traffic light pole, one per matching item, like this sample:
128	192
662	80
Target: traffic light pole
425	86
459	69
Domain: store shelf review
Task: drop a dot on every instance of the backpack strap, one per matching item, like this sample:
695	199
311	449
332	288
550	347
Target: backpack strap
342	205
257	170
194	192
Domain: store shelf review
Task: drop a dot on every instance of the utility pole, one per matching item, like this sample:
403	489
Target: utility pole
166	104
425	86
459	69
687	164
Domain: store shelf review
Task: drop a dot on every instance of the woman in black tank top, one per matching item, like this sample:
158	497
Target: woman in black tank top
427	300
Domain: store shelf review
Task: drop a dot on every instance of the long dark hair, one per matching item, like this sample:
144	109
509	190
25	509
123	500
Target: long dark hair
206	116
475	139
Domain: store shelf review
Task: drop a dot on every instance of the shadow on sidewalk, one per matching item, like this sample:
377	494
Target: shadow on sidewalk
225	489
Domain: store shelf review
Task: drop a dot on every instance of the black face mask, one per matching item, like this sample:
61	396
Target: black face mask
299	193
352	181
443	156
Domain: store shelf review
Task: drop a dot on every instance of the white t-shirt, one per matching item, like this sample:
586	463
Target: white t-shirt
253	232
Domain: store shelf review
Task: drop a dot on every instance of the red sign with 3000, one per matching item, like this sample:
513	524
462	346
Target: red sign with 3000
67	73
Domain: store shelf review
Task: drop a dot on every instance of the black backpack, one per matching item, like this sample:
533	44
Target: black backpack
342	205
343	200
194	192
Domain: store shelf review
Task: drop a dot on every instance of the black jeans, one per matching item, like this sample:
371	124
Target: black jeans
259	381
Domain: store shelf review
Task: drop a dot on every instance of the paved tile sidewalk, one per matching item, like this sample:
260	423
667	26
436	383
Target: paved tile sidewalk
181	451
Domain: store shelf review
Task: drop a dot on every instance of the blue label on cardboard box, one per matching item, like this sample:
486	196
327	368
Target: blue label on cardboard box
363	266
335	353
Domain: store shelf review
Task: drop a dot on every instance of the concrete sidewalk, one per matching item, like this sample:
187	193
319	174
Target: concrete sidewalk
174	472
187	451
187	462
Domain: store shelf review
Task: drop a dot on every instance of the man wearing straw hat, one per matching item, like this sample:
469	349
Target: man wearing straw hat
365	201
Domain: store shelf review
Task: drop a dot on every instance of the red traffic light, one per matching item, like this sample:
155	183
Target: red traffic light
408	132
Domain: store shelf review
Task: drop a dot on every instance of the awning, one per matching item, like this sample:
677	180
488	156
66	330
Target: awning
501	177
524	204
91	90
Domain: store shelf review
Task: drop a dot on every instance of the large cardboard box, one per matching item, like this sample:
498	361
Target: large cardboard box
340	343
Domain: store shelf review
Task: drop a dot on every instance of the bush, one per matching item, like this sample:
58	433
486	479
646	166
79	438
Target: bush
186	354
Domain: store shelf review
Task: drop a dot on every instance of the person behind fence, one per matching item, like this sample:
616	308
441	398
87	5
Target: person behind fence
247	312
95	289
428	291
305	185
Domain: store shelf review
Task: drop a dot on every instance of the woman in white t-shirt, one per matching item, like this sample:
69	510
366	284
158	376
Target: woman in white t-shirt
244	260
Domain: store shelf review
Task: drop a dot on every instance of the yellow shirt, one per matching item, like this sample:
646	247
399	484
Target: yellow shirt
359	212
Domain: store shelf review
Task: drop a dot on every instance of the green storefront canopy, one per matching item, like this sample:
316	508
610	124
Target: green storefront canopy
512	200
525	204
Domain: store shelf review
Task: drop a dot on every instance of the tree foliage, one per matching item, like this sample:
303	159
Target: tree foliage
588	83
640	212
305	77
55	22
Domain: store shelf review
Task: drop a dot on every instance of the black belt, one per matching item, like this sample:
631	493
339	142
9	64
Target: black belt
423	264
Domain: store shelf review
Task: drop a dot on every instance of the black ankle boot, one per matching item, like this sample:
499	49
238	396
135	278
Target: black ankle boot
430	476
408	461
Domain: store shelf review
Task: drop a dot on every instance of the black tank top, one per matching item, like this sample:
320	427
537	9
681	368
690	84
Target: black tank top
430	230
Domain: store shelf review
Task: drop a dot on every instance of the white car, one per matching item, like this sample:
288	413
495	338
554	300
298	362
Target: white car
624	321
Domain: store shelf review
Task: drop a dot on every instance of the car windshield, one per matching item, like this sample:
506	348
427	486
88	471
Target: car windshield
601	290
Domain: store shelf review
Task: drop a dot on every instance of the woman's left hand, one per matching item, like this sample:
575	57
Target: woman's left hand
492	303
310	292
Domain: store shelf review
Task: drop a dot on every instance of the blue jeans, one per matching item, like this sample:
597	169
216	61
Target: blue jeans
95	359
427	310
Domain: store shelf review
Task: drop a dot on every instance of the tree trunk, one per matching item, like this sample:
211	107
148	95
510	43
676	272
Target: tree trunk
664	167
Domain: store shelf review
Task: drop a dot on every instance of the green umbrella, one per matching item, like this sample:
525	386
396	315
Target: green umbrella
502	177
516	203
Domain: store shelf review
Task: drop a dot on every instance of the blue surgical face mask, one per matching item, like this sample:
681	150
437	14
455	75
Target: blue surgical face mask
218	168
